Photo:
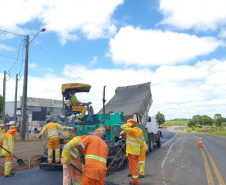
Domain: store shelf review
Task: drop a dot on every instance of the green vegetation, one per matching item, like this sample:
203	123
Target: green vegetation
168	123
219	131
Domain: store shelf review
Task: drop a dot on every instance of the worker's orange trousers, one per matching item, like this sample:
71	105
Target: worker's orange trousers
133	160
54	143
70	173
88	181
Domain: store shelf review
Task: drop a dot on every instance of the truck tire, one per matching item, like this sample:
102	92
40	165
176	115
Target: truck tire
159	142
150	143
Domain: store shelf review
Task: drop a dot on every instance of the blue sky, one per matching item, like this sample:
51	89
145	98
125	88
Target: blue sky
177	45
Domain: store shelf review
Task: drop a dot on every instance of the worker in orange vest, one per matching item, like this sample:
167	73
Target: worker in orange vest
70	155
2	133
51	130
8	144
96	154
134	139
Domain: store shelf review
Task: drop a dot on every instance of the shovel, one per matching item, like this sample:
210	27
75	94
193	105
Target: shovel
20	162
76	168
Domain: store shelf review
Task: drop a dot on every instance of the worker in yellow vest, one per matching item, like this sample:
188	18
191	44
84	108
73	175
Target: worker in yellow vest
70	155
8	144
51	130
134	139
2	133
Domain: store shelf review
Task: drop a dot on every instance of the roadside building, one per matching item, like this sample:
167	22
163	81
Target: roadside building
38	109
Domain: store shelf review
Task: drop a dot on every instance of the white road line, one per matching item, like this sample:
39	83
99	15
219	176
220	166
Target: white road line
165	158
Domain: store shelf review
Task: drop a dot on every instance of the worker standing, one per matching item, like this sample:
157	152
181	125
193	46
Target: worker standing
76	105
96	153
70	154
134	139
51	130
2	133
8	144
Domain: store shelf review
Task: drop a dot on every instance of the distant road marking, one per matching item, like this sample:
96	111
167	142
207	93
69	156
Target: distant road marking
207	168
219	177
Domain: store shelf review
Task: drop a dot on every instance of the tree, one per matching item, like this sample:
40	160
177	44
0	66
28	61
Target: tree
160	118
1	104
206	120
196	119
218	119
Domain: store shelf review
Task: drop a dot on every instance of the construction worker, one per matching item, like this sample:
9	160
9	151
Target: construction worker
76	105
70	155
51	130
2	133
96	154
8	144
134	139
141	158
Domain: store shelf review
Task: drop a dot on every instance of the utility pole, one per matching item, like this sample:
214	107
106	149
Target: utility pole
3	103
15	102
24	97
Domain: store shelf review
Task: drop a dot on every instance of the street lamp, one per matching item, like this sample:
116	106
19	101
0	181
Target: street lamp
24	97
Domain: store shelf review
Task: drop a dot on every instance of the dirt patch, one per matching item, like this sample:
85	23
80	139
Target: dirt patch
30	162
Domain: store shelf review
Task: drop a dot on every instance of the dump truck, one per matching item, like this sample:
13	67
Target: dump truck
129	102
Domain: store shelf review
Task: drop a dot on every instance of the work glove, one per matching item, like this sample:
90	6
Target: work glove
82	159
39	136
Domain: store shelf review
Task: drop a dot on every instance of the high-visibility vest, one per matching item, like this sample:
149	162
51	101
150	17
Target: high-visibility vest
96	153
70	150
51	130
134	139
8	144
2	133
143	146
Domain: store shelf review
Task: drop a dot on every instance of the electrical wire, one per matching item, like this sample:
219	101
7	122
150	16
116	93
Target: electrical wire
12	33
56	60
8	73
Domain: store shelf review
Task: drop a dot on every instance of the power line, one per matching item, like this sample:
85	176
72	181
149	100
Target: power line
16	58
13	33
57	60
8	57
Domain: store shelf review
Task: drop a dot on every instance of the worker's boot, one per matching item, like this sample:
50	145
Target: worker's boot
129	175
131	183
141	176
10	175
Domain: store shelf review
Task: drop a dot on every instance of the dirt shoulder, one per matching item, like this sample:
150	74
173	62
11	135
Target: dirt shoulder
29	150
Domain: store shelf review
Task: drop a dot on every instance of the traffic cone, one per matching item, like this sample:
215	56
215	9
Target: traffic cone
200	142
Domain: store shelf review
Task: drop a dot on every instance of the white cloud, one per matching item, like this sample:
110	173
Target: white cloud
93	18
201	15
177	92
8	48
155	47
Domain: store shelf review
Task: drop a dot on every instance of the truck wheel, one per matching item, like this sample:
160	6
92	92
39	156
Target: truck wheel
35	130
151	146
159	142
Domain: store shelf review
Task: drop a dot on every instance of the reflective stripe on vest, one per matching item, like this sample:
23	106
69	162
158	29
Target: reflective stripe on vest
132	143
95	157
134	138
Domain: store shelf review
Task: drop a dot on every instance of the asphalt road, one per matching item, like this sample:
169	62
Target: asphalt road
178	161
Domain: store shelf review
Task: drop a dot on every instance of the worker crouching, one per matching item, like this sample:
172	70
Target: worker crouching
70	155
8	144
51	130
96	153
134	139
